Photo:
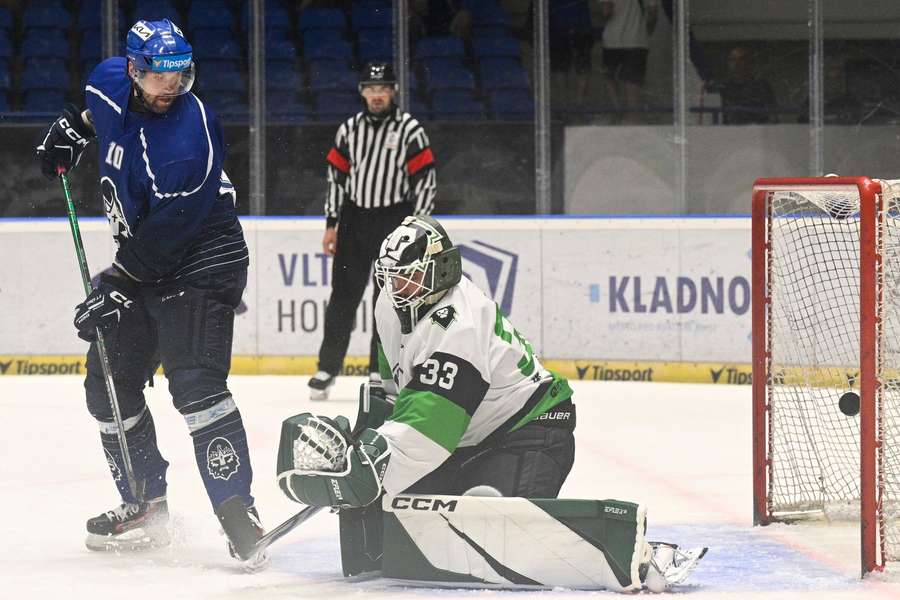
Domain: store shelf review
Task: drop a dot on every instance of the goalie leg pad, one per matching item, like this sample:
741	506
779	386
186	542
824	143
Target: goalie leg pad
362	539
514	542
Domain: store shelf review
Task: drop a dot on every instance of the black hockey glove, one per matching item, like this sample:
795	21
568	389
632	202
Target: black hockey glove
104	307
63	142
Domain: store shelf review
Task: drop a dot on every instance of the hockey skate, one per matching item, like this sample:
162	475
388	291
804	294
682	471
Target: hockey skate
320	385
259	561
130	527
669	565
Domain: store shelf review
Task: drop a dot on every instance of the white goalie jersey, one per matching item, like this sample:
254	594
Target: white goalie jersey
462	374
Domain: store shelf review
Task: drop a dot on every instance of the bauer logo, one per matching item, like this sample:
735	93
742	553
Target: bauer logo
672	295
492	269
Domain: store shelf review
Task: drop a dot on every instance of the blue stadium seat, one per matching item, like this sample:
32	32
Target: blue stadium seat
44	100
320	81
282	76
4	103
487	13
498	76
336	49
45	73
375	48
512	105
90	16
91	46
46	14
322	36
431	47
6	48
215	43
420	109
155	10
322	18
5	77
484	47
210	14
45	43
440	64
337	107
223	75
458	78
276	17
6	19
321	65
226	103
280	50
371	17
286	105
457	104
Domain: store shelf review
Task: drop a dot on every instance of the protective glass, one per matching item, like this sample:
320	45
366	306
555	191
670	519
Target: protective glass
165	83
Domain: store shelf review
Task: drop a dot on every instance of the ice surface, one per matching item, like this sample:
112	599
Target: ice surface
684	450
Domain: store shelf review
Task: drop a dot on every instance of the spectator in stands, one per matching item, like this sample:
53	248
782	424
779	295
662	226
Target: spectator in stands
626	39
841	107
571	43
441	18
746	97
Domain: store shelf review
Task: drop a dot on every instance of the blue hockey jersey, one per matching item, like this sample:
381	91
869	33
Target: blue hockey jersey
168	201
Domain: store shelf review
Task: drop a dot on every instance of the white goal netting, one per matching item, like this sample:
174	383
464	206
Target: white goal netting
814	339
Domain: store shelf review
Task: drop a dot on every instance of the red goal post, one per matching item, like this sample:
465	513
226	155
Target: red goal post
826	275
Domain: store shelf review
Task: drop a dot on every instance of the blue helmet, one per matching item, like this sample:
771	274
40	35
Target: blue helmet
160	47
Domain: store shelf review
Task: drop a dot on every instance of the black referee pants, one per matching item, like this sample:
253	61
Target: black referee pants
359	237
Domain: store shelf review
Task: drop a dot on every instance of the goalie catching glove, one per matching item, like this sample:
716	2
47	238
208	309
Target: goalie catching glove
321	464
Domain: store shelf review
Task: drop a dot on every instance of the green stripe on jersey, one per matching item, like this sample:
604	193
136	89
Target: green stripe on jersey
559	391
384	367
432	415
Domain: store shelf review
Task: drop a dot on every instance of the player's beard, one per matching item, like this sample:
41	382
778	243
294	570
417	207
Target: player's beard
159	104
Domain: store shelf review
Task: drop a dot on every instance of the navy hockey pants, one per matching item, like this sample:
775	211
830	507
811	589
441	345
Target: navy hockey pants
187	327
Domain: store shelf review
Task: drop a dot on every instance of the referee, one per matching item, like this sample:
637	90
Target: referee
380	170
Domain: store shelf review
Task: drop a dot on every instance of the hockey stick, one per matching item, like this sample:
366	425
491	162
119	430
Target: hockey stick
233	516
136	488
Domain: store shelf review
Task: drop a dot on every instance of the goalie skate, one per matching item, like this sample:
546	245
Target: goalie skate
130	528
670	565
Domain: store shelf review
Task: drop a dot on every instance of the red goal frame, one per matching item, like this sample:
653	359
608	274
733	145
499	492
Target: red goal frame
871	524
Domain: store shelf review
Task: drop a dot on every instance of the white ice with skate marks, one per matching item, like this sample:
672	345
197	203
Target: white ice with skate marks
684	450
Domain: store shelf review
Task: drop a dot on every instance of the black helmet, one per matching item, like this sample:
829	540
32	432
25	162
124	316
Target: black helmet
416	264
377	73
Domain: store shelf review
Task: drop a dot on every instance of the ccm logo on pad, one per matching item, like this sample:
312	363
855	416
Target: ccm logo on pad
404	503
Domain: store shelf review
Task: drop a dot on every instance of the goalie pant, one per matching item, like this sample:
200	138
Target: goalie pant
188	328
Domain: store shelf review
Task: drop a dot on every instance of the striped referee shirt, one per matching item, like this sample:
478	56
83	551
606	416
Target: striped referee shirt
379	163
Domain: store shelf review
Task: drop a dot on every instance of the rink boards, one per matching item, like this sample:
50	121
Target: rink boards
609	299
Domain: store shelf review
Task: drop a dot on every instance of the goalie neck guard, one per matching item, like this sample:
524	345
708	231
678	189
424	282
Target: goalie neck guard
161	57
416	265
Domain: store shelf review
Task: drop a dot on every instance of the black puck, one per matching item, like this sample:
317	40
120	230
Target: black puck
849	404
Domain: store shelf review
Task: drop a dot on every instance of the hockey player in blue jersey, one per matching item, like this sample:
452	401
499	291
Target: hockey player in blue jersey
178	274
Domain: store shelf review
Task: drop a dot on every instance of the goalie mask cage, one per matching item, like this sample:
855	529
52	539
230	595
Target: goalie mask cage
826	321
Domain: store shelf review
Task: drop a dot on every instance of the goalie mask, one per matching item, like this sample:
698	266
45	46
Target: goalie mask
417	263
161	59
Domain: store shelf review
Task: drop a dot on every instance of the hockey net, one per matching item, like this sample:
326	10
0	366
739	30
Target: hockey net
826	321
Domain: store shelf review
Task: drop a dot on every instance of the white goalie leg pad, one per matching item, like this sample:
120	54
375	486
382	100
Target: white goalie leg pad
484	541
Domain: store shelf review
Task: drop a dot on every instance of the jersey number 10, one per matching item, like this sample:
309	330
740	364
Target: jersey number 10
114	155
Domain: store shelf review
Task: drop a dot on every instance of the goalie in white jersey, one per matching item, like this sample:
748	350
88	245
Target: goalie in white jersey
467	410
474	405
